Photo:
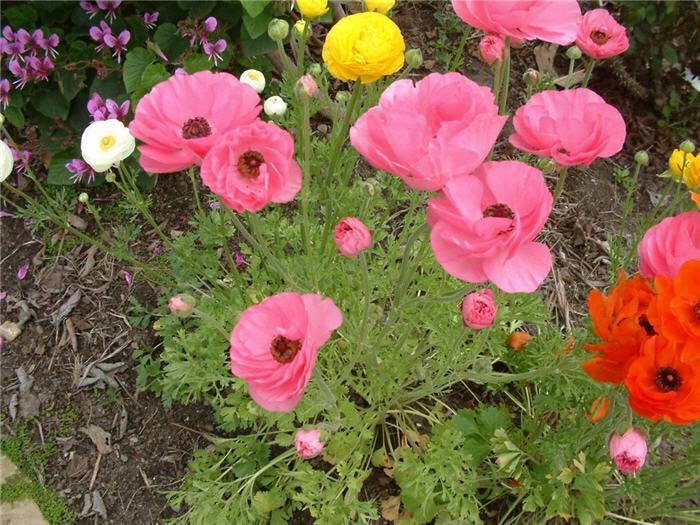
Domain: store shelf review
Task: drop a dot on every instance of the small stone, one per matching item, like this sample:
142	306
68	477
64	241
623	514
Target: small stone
9	331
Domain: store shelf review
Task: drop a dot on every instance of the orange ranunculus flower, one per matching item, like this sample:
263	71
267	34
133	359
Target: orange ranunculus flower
599	409
620	320
676	310
517	340
663	383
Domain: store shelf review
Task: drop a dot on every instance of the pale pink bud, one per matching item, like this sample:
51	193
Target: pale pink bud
492	48
308	444
308	85
352	236
180	304
479	309
628	451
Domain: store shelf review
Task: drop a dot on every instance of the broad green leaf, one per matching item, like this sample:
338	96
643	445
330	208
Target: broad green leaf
254	7
70	82
198	9
51	103
197	62
20	16
257	25
137	60
256	46
112	86
58	174
152	75
14	116
171	43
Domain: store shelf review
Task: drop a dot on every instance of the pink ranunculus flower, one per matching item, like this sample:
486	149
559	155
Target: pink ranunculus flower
181	304
442	126
600	36
492	48
182	118
628	451
483	226
252	166
275	343
573	127
667	245
307	85
308	443
553	21
479	309
352	236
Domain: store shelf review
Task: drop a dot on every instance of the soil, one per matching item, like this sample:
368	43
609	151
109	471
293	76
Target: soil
150	445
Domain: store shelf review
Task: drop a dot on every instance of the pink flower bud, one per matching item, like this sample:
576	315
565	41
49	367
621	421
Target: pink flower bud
628	451
352	236
180	304
479	309
308	85
308	444
492	48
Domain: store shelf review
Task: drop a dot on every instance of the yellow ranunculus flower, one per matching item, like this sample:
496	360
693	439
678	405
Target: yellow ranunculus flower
691	176
312	8
380	6
675	162
364	47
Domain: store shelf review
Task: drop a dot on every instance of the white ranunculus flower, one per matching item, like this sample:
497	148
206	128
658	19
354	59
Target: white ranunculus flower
6	161
254	79
275	106
106	143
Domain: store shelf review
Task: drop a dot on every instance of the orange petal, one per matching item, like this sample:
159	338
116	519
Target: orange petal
599	409
518	340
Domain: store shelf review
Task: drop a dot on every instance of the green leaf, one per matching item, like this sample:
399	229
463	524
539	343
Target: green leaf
228	12
111	86
198	9
669	54
137	60
257	25
266	502
51	103
171	43
58	174
70	82
20	16
14	116
256	46
196	62
152	75
254	7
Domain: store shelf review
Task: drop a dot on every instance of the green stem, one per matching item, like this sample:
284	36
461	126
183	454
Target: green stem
302	48
305	129
627	207
560	184
457	59
506	78
497	79
195	188
570	76
589	69
287	64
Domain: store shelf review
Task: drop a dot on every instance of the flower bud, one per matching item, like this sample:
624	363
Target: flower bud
414	58
479	309
531	76
342	96
110	177
352	236
306	86
641	158
628	451
275	106
492	49
573	53
83	197
278	29
308	443
300	27
687	146
254	79
315	69
181	304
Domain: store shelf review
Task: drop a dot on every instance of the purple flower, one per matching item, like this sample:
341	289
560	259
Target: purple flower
98	34
22	272
96	107
40	68
32	43
49	45
150	19
89	8
115	111
118	43
213	50
8	33
9	45
210	24
23	74
239	260
181	71
128	278
4	92
79	168
19	157
110	6
3	295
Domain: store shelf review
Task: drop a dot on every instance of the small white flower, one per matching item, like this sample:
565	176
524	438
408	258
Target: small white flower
6	161
275	106
254	79
106	143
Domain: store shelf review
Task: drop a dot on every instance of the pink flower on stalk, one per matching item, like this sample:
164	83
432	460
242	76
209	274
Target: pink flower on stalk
116	111
90	8
180	304
352	236
79	168
667	245
443	126
573	127
23	74
492	48
118	43
252	166
600	36
183	117
213	50
150	19
628	451
308	443
4	92
553	21
98	35
110	6
210	24
483	226
275	343
479	309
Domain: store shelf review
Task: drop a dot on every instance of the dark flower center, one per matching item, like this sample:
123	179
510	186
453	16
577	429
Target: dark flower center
599	37
644	323
196	128
668	379
249	164
501	211
696	311
284	350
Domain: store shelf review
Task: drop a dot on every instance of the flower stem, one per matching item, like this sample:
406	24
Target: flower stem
197	201
570	76
457	58
287	64
560	184
589	69
506	78
302	48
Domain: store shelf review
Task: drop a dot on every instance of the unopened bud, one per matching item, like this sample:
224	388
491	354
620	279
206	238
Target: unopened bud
641	158
110	176
414	57
342	96
274	106
531	76
687	146
315	70
83	197
300	27
306	85
574	53
278	29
